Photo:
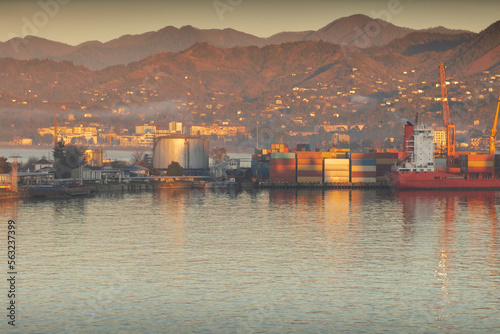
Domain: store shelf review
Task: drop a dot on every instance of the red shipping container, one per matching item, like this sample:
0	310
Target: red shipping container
308	155
288	179
358	156
309	173
283	162
282	167
284	173
303	162
481	157
452	170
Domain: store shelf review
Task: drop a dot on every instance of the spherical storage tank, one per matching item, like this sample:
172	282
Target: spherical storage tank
189	151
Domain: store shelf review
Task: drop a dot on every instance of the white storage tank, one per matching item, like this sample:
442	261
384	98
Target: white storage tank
189	151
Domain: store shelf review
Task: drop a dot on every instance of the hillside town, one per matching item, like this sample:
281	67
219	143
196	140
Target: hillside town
325	115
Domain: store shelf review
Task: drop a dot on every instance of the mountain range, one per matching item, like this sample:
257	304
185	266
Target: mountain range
358	31
206	78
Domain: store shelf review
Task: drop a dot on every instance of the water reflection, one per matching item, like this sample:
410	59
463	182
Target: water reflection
261	261
9	209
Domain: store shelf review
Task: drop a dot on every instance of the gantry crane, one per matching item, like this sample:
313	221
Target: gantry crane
493	137
450	128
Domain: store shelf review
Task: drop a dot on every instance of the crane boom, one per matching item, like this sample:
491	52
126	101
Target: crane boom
444	95
493	137
450	128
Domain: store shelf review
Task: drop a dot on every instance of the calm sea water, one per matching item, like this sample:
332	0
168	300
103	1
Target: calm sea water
270	261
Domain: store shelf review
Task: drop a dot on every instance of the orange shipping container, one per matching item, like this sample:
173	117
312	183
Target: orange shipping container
336	179
282	167
309	161
309	173
310	167
337	173
283	162
480	157
363	174
481	169
482	163
357	156
273	175
309	155
309	179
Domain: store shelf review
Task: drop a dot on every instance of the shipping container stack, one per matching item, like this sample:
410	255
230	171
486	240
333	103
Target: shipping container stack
309	167
336	170
279	148
283	168
338	154
384	163
476	163
260	163
363	168
303	147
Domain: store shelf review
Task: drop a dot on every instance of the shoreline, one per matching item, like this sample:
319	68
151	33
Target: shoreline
105	188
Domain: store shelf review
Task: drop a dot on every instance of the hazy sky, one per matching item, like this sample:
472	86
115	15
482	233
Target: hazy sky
77	21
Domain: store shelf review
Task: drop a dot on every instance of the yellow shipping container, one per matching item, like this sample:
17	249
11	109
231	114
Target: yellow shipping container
363	180
336	161
336	168
337	173
334	155
364	168
309	179
336	179
310	167
481	163
328	155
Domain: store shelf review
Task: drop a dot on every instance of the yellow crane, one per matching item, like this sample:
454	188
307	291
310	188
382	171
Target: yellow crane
493	137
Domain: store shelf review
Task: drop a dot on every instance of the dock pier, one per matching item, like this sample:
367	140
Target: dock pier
290	185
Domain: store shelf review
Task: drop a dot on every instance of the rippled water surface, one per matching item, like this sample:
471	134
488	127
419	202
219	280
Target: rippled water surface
272	261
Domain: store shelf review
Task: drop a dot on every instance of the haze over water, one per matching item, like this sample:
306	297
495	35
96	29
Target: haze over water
270	261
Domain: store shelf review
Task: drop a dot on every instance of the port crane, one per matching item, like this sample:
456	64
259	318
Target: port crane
493	137
450	128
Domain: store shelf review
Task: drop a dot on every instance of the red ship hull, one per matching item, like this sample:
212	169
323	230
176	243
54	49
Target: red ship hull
442	181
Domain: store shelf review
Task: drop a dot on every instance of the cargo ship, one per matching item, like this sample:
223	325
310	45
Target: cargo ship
416	168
